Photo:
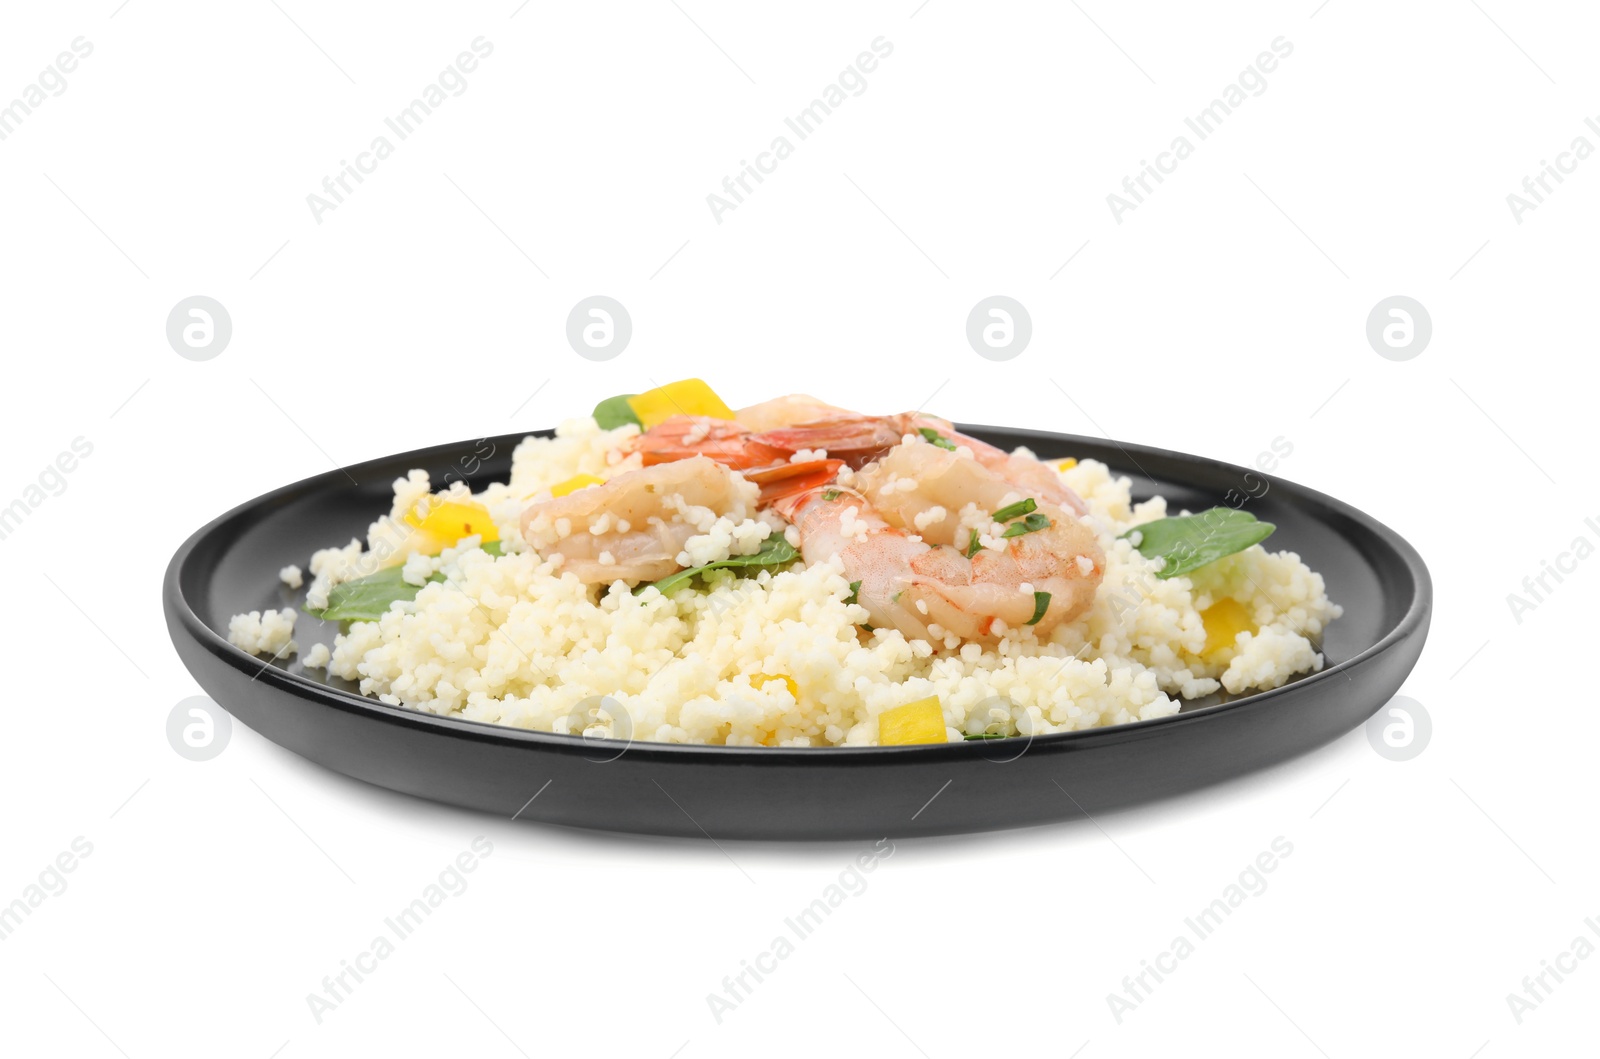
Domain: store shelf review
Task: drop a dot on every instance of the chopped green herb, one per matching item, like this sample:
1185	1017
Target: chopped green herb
1041	603
1011	511
986	735
896	597
974	545
1031	524
933	437
831	495
613	412
1188	542
855	588
368	598
775	551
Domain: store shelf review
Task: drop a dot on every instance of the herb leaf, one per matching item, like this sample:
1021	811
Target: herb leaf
1188	542
775	551
830	495
974	545
613	412
1033	523
368	598
1041	603
855	589
933	437
1011	511
986	735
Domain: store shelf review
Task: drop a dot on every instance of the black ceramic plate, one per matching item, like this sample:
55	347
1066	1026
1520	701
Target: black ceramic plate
232	566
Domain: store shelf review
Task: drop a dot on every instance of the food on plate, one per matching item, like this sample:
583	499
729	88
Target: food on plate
796	573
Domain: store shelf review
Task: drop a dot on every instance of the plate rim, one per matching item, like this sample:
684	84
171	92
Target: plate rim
180	611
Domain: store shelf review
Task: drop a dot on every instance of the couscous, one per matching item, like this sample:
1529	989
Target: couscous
795	574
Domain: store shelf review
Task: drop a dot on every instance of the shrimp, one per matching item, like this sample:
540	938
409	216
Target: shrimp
859	440
725	441
928	587
792	410
633	527
1028	473
732	445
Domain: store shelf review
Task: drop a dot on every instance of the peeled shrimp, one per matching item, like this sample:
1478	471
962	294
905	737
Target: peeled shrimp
633	527
725	441
733	446
929	588
787	411
859	440
1033	476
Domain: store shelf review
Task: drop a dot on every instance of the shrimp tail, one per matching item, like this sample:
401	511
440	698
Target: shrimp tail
858	440
682	437
792	479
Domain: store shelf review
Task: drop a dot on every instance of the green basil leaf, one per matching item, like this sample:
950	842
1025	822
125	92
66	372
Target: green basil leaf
368	598
1188	542
974	545
1021	507
614	412
1041	603
1031	524
775	551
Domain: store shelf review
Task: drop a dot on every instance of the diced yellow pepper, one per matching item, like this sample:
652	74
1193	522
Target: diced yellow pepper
450	520
445	523
761	679
1066	464
686	397
915	722
1224	620
576	482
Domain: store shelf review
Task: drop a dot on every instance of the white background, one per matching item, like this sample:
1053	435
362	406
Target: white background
1227	310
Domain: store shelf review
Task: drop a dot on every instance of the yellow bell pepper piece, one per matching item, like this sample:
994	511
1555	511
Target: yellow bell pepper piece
761	679
915	722
686	397
445	523
453	519
576	482
1224	621
1066	464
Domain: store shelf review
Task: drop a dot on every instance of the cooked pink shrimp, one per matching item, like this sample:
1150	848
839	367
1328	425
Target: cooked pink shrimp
788	411
633	527
771	432
727	442
1039	479
931	588
859	440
